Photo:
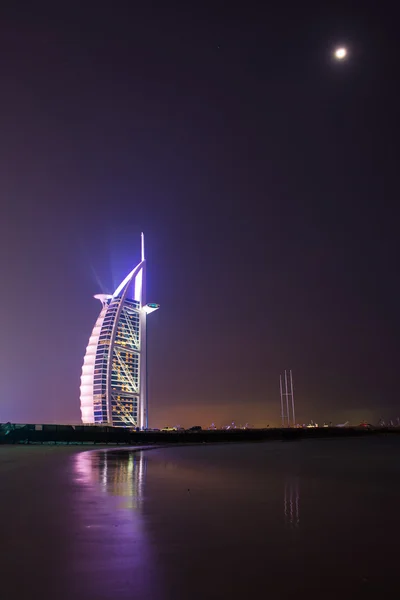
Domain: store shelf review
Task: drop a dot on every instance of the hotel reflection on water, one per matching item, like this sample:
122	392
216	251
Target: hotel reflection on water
122	474
117	473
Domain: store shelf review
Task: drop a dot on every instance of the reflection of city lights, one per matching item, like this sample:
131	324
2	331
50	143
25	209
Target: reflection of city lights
291	503
117	473
110	485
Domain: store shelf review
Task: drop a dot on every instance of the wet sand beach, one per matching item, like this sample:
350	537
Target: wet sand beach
311	519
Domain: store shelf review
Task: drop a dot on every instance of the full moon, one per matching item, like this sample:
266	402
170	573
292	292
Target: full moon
340	53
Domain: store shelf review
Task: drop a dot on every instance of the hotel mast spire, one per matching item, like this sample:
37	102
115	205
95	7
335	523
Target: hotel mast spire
142	239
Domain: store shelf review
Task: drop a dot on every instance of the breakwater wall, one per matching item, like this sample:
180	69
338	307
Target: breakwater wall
83	434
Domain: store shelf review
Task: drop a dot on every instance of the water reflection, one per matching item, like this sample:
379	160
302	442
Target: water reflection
176	523
291	502
114	539
121	474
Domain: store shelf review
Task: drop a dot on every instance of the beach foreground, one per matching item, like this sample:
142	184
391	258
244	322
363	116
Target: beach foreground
311	519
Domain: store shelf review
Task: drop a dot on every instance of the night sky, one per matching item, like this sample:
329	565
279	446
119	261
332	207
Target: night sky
263	173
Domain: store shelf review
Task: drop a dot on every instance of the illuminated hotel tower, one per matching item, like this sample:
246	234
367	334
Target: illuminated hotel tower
114	372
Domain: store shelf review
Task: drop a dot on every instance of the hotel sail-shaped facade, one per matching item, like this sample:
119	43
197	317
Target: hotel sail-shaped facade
114	372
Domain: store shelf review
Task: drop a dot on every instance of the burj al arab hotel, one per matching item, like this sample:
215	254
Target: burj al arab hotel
114	372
